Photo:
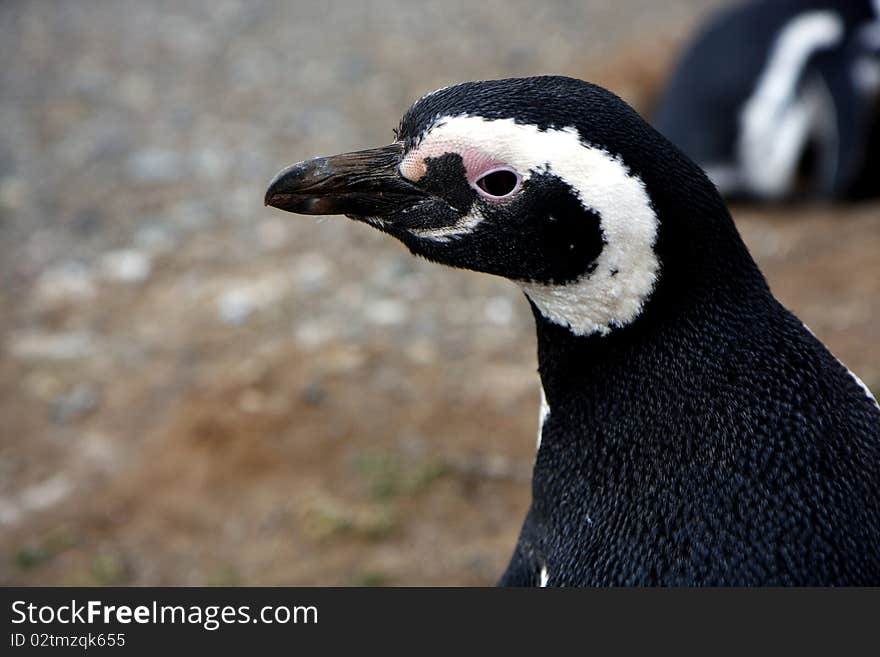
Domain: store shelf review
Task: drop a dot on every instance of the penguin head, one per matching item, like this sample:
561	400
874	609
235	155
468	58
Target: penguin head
539	180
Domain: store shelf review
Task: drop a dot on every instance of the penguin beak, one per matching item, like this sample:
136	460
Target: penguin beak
361	184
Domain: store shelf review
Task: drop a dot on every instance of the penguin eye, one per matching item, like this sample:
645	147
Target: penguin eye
498	183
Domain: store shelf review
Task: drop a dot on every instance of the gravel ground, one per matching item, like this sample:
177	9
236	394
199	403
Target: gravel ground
198	390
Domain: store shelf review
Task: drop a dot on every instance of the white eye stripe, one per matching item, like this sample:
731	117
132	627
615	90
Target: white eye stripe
626	270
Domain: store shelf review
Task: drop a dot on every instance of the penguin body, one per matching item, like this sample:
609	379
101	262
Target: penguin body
711	453
693	431
779	98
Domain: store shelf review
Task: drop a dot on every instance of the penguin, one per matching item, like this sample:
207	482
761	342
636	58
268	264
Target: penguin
778	99
694	432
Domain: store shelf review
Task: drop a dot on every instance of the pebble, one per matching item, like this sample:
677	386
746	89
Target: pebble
69	281
212	163
34	498
155	238
241	299
386	312
126	266
499	310
82	399
154	165
312	269
235	306
35	345
311	334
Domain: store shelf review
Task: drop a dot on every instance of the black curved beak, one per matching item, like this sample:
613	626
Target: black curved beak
361	184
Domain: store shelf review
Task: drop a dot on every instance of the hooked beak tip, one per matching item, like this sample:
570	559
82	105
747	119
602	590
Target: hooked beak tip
280	186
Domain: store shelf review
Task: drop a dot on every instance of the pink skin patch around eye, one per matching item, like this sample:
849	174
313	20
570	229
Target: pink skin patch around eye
476	163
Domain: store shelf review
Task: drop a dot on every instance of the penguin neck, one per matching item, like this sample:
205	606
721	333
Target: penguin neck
694	315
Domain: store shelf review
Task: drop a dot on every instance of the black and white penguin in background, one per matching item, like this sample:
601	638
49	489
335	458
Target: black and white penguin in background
780	99
694	432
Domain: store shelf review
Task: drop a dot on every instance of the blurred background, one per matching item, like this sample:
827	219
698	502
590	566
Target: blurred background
195	389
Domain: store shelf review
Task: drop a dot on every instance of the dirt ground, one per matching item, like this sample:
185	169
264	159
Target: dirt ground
197	390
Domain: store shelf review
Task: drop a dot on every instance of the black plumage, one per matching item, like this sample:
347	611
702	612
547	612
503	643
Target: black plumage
714	442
